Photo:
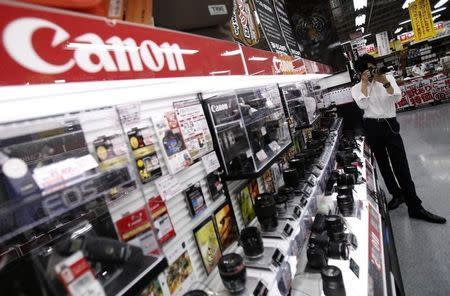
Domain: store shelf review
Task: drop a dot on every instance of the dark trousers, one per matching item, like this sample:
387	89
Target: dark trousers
383	137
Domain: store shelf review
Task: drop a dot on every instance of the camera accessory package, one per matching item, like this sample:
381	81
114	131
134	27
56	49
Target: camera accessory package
195	199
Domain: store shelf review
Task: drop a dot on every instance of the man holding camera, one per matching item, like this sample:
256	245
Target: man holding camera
376	94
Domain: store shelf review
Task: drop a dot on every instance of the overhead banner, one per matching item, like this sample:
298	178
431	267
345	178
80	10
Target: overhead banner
383	43
421	20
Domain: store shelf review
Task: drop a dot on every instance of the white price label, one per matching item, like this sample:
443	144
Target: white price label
263	131
261	155
274	146
168	187
210	162
129	114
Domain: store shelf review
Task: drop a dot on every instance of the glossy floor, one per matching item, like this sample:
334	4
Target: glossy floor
424	248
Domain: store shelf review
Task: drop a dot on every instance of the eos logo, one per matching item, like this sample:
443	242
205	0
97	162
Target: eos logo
218	108
112	55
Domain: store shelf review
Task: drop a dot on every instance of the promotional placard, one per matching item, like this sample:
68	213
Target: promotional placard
421	20
195	199
208	244
168	187
161	219
226	225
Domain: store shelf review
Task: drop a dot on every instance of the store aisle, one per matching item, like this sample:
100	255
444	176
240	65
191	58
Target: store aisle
424	248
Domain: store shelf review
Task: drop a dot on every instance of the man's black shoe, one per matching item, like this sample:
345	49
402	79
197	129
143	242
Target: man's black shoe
423	214
395	203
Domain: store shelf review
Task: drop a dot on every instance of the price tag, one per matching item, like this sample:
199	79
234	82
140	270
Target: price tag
210	162
76	275
129	114
354	267
261	155
274	146
168	187
249	153
263	131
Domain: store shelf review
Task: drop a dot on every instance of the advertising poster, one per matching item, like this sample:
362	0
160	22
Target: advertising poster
226	225
421	20
246	205
194	127
254	189
161	219
208	244
215	185
169	135
244	26
179	274
153	289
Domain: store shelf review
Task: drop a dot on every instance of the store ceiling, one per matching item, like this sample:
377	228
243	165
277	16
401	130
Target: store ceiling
381	15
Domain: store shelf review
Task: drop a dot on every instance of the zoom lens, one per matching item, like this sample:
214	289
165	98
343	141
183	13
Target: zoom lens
346	180
332	282
291	177
252	242
333	224
266	212
338	250
299	165
233	272
345	204
345	190
316	256
320	240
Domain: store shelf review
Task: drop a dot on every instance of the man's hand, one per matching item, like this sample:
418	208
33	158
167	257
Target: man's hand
365	82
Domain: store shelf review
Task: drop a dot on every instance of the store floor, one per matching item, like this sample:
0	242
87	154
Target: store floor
423	248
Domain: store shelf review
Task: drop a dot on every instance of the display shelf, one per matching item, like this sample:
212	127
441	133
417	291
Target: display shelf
311	124
264	166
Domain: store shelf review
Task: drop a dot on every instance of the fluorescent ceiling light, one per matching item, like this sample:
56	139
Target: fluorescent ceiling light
360	4
399	29
360	20
439	9
436	17
437	5
406	4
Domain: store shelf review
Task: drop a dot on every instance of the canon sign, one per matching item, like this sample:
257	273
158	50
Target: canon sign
219	107
113	55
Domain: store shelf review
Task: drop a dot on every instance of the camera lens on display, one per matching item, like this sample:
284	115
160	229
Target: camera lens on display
291	178
318	225
338	236
332	282
333	224
233	272
346	179
352	170
345	190
345	204
287	191
252	242
196	293
338	250
316	256
266	212
320	240
281	203
299	165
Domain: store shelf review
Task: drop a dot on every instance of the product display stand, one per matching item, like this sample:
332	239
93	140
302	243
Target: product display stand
372	267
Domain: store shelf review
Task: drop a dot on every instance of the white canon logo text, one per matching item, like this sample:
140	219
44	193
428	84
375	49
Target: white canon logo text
220	107
113	55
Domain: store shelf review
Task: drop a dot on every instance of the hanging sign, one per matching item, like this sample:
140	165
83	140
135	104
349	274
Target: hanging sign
383	43
421	20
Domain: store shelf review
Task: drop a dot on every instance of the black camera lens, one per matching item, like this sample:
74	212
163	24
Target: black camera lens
320	240
333	224
332	281
316	256
281	203
266	212
345	190
291	178
233	272
252	242
318	225
287	191
299	165
338	236
346	179
345	204
196	293
338	250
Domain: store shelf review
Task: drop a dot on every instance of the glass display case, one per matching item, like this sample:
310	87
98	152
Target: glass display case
60	180
250	129
300	104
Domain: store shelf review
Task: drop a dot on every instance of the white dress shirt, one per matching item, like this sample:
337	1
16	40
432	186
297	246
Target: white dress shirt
379	103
